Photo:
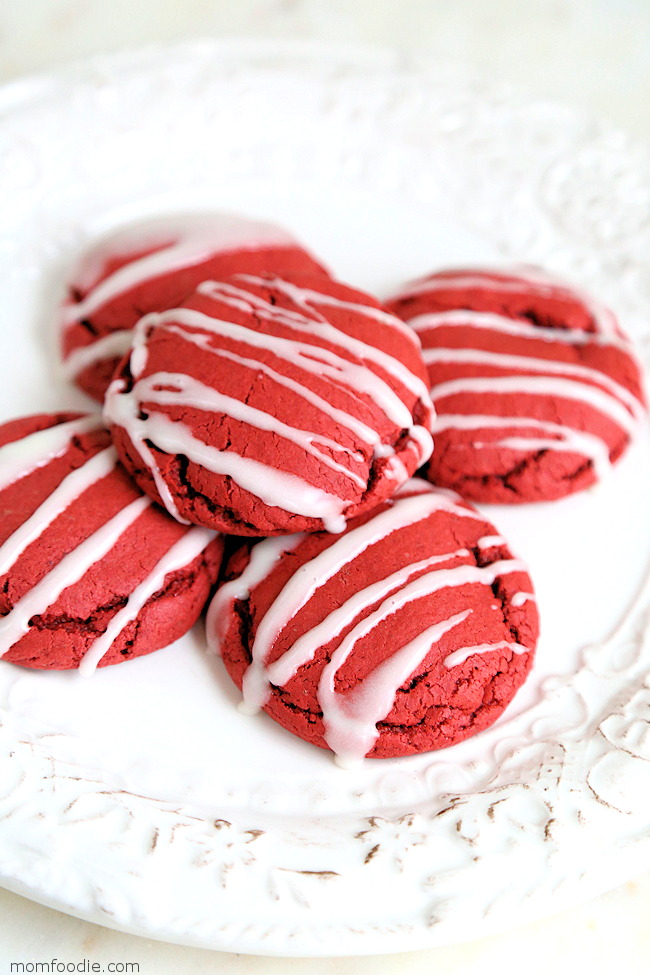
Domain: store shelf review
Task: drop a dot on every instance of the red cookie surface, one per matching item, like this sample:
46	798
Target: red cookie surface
91	572
536	389
409	632
152	266
264	406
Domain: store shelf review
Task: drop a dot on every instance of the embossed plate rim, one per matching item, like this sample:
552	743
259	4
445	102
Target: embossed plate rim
405	867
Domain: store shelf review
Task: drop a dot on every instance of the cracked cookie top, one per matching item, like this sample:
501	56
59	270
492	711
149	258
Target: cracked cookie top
266	405
153	265
409	632
91	571
536	388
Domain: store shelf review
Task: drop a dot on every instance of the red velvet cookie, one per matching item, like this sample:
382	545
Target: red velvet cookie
152	266
537	390
409	632
264	406
91	572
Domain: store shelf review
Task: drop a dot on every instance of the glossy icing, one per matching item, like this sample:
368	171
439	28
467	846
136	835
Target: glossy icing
484	370
176	242
36	450
534	280
350	719
339	362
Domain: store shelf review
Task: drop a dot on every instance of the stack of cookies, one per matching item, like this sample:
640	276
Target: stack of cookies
263	425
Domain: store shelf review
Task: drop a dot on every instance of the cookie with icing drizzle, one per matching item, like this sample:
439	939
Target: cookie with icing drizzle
154	265
266	405
91	571
536	388
409	632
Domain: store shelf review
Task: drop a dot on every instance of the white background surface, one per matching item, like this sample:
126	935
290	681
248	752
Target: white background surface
591	53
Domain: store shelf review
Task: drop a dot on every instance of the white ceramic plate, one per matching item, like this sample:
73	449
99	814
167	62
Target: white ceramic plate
142	798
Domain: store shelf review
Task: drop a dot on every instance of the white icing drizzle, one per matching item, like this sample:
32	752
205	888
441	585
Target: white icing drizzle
523	363
256	687
396	470
21	457
306	299
275	488
513	279
550	378
70	488
532	445
423	439
139	351
341	418
305	296
351	719
263	557
558	437
315	573
490	541
418	486
459	657
352	377
520	598
191	392
180	241
111	346
540	385
304	648
522	328
384	450
523	277
418	434
124	412
72	567
181	554
65	573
